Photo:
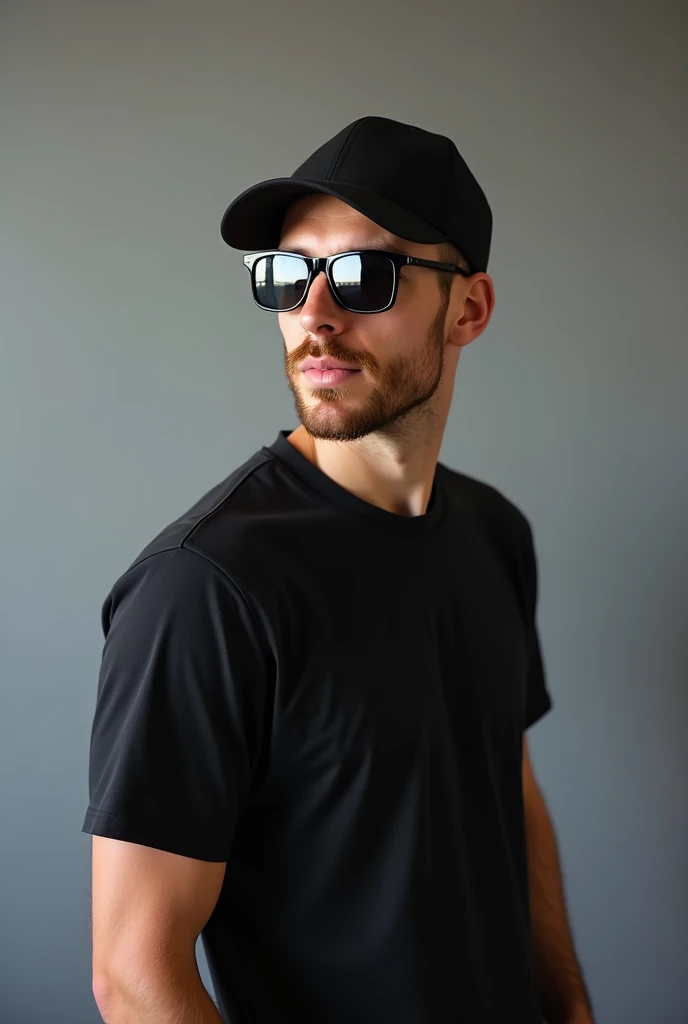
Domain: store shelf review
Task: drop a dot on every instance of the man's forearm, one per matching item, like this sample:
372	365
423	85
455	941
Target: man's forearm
172	993
564	997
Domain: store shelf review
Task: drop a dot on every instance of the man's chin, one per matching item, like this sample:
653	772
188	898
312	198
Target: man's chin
334	414
330	424
333	421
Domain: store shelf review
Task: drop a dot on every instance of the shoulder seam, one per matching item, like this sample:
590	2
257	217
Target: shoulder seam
182	546
225	497
221	569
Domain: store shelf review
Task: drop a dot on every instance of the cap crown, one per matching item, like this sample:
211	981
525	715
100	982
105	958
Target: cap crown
422	171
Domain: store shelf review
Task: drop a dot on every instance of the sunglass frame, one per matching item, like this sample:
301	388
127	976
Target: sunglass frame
316	264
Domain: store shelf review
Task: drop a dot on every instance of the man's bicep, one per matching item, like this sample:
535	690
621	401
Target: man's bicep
147	904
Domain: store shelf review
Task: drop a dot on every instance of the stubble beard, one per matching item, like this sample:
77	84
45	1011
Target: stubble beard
403	387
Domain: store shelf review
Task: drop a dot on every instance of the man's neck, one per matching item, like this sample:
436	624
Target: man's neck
391	472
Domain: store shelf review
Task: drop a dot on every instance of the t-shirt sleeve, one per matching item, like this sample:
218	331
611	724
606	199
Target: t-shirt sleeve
183	698
538	699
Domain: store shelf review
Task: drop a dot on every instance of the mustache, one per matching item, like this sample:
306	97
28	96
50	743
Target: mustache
330	350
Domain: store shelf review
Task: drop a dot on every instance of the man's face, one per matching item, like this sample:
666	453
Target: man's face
398	355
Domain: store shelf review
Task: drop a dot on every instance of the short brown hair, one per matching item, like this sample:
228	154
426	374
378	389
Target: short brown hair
448	253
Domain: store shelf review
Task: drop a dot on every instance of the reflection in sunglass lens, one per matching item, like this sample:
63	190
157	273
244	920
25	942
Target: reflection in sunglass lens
280	281
364	283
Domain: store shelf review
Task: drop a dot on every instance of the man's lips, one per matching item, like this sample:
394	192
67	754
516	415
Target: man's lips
327	378
325	363
327	372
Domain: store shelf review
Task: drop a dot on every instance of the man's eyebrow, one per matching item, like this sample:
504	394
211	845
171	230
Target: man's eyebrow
293	248
391	247
380	245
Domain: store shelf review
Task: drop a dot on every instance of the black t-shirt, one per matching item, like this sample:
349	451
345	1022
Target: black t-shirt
331	698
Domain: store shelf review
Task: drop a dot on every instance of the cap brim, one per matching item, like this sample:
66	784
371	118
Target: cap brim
254	219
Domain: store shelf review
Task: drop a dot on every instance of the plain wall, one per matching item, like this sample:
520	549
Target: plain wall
136	373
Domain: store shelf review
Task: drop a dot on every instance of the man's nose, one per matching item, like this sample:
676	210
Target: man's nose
321	310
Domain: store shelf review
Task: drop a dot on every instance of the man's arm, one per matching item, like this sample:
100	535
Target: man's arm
148	909
562	990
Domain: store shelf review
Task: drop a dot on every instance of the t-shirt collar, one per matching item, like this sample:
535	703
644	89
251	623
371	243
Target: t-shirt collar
317	480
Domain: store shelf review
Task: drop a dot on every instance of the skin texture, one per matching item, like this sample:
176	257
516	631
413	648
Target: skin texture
562	989
148	908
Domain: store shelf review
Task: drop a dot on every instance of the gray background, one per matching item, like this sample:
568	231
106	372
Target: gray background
136	373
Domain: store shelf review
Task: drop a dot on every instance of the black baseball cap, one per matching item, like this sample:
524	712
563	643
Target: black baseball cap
411	182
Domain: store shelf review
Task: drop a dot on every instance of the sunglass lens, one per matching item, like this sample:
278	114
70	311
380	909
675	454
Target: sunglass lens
280	281
365	283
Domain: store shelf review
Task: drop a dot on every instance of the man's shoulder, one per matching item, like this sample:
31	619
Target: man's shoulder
499	522
233	501
232	527
487	502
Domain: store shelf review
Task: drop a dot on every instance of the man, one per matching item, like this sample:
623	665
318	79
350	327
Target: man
308	744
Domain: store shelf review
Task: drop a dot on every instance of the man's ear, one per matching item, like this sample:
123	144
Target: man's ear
475	312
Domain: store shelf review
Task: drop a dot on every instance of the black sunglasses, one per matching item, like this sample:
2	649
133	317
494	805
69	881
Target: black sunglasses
362	281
